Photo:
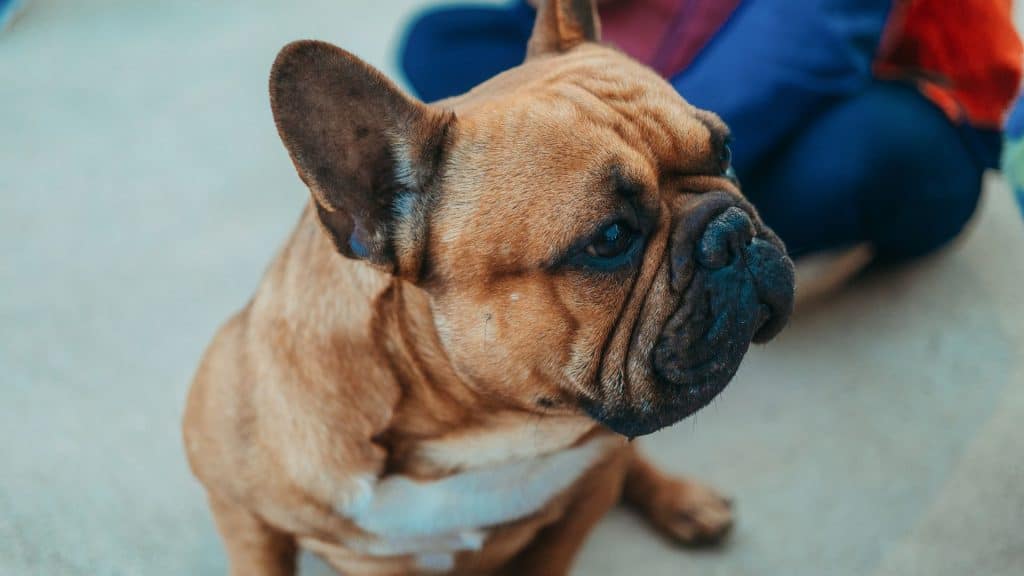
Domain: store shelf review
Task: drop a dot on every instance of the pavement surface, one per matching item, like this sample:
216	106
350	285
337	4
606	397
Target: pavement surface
143	190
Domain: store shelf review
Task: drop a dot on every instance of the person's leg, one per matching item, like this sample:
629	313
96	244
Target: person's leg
775	63
449	50
885	167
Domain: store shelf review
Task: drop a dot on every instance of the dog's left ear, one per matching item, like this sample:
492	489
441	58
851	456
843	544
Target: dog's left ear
563	24
370	154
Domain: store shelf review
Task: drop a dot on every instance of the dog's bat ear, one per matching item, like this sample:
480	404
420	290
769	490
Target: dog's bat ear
562	24
369	153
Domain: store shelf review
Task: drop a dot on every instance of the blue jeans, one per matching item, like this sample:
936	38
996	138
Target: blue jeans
830	156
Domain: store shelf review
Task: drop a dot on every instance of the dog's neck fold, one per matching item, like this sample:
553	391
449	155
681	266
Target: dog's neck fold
395	366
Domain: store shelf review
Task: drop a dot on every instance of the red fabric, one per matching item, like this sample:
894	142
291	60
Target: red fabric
965	55
695	24
664	34
637	27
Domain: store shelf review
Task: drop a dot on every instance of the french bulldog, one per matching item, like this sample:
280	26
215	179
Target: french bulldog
484	299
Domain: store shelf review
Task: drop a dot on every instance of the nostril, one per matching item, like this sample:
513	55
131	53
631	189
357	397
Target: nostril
725	238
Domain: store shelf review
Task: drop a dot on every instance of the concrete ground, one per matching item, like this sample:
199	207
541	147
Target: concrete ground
143	190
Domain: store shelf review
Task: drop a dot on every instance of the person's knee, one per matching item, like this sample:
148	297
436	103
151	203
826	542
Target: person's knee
927	215
920	183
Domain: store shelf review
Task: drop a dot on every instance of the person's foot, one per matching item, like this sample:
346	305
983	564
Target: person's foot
823	273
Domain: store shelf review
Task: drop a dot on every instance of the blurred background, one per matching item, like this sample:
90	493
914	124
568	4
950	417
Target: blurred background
143	189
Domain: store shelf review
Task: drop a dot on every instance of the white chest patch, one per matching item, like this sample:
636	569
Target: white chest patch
452	513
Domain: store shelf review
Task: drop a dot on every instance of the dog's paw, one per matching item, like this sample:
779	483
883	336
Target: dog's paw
690	513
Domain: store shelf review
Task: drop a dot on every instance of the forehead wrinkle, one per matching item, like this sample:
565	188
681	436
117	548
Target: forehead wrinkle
653	115
619	117
717	131
623	128
635	96
658	126
716	127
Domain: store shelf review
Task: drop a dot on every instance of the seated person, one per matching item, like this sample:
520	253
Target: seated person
854	121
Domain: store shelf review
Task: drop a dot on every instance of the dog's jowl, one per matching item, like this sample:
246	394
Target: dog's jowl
484	298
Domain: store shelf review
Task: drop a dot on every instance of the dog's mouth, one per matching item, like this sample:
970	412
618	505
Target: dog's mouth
745	296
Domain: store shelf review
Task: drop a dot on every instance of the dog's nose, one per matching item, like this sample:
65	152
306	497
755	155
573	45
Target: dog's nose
725	238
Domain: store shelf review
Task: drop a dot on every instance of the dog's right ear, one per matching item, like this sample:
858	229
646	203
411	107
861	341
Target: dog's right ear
369	153
562	24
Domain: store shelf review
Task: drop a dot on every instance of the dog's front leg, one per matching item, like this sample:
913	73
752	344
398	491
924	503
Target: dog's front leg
682	509
254	549
554	548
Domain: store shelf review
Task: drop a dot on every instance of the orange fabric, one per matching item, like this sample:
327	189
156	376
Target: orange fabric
965	55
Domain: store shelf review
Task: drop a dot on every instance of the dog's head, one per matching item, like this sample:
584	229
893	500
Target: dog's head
573	220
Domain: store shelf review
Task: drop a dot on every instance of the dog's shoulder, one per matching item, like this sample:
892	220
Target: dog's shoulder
281	392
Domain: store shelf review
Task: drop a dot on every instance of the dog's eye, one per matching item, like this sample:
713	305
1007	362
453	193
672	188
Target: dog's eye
612	241
613	246
725	159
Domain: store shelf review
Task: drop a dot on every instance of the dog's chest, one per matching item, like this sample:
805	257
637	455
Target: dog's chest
502	474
